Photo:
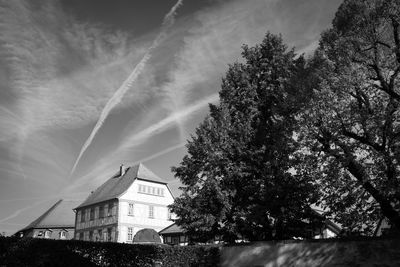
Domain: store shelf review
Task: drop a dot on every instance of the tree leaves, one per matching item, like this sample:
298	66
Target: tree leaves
350	126
237	177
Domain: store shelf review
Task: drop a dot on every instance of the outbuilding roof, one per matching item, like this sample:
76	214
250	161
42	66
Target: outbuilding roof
60	215
117	185
172	229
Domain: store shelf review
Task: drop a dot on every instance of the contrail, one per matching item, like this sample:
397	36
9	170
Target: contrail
168	21
146	133
179	115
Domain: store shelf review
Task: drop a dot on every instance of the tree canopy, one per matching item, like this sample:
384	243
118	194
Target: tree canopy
290	132
237	175
351	128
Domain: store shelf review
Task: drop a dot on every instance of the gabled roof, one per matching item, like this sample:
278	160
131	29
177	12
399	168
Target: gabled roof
172	229
117	185
60	215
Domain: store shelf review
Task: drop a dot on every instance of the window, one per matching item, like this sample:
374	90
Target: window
131	210
151	211
47	234
109	231
90	235
99	234
92	214
169	216
83	216
109	210
62	235
130	233
101	212
151	190
80	236
105	210
105	236
86	236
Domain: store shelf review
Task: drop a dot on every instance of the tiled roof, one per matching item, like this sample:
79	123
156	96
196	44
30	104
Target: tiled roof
174	186
60	215
172	229
117	185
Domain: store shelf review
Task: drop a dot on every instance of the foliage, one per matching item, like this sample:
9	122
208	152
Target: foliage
237	174
351	130
42	252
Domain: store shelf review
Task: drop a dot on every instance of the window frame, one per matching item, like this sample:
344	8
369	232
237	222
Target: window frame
91	214
151	211
131	209
101	211
130	234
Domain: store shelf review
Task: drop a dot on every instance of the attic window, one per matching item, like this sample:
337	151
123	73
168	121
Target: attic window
151	190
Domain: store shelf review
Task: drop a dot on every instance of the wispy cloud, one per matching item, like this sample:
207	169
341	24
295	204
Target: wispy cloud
57	75
127	84
19	211
104	168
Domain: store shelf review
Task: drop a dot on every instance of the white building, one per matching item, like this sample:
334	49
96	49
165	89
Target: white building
133	199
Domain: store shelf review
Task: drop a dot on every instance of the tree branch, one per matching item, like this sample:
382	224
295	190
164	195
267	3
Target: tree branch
349	162
362	139
396	37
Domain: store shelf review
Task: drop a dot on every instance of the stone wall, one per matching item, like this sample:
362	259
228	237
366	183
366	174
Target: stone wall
328	252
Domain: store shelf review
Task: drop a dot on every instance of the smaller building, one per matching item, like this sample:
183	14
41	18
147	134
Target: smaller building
174	235
58	222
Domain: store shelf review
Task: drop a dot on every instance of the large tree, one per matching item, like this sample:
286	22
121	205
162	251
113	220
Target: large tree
351	129
237	176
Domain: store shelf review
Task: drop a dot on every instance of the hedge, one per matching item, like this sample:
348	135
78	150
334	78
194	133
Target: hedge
59	253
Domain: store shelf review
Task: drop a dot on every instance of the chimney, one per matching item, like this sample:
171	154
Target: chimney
121	170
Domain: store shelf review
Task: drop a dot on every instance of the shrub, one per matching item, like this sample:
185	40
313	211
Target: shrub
42	252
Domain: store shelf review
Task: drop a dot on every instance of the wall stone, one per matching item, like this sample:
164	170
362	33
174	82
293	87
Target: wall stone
328	252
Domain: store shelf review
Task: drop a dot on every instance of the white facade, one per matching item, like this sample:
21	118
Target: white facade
149	210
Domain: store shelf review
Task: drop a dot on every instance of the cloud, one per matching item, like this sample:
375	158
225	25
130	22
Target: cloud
127	84
57	66
208	41
104	168
57	74
19	211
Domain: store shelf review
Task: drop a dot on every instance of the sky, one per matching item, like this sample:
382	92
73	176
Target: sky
87	85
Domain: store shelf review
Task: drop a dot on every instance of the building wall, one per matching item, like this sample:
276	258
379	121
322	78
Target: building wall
323	252
97	222
50	233
144	196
